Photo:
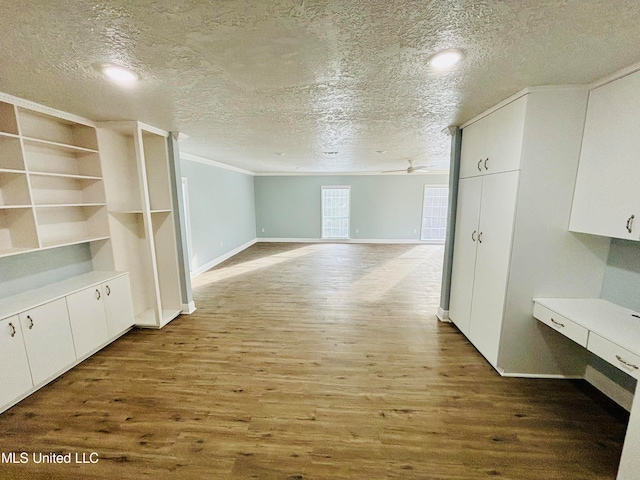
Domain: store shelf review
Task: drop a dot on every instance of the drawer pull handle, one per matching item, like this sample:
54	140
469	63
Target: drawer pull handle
98	294
630	223
30	321
627	364
108	290
558	324
479	163
480	237
13	329
485	163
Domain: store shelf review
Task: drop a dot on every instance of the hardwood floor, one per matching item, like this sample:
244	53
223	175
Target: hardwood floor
312	362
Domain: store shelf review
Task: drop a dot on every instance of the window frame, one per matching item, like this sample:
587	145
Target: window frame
322	217
422	218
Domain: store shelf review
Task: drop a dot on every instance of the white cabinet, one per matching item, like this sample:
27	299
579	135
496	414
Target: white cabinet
118	305
464	252
493	143
15	377
88	320
46	331
48	338
607	195
484	226
495	233
511	240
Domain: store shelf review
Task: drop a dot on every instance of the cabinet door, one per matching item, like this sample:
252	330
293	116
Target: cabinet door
15	376
606	193
47	336
464	252
88	320
118	305
497	216
505	133
474	149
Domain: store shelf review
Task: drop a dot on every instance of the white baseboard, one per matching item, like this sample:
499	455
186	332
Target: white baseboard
535	375
610	388
599	380
410	241
221	258
443	315
189	308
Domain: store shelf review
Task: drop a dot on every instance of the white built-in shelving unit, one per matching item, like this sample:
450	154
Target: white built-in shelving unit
64	182
51	188
138	192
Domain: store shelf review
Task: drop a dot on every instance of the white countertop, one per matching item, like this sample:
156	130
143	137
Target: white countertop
610	321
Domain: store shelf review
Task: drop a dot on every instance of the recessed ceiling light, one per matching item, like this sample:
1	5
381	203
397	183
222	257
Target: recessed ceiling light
445	59
381	151
119	74
331	153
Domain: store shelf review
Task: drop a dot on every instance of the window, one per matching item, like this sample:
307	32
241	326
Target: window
434	214
335	212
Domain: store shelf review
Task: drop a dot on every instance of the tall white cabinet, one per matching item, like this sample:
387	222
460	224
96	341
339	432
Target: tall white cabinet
141	217
518	169
607	199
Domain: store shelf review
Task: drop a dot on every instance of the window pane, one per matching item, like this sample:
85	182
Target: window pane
335	212
434	220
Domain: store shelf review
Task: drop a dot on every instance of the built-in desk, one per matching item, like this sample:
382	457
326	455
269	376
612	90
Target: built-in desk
612	333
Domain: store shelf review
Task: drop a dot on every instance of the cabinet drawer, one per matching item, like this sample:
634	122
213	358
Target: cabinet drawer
617	356
569	329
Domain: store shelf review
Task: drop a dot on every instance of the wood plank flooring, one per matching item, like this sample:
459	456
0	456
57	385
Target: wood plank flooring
312	362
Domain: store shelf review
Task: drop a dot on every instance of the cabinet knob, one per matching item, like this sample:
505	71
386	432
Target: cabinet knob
479	163
626	364
98	295
13	329
108	290
556	323
485	163
630	223
30	321
473	236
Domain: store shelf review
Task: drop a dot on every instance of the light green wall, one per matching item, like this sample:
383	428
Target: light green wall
221	210
27	271
383	207
621	285
622	276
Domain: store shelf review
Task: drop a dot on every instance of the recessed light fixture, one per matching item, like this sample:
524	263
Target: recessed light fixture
119	74
381	151
330	153
445	59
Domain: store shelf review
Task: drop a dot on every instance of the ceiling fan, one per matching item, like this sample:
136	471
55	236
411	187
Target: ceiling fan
410	169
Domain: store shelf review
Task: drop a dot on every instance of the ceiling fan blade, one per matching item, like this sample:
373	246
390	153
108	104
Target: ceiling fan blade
394	171
423	167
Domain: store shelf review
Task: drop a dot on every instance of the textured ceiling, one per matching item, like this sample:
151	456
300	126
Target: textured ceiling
249	81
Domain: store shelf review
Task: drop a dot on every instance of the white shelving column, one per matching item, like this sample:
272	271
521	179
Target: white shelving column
138	193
